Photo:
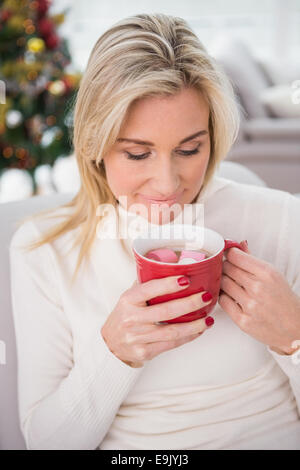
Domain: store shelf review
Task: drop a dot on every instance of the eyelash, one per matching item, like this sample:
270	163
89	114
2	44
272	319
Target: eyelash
142	156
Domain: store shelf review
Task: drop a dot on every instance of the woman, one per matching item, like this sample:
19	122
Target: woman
153	119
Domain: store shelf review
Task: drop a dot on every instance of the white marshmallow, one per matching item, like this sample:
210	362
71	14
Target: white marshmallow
187	261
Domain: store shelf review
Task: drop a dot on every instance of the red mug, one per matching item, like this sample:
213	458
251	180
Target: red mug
204	275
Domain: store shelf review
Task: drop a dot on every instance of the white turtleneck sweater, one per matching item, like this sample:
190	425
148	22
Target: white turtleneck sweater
224	390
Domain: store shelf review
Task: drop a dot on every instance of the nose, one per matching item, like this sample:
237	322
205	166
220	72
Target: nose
166	180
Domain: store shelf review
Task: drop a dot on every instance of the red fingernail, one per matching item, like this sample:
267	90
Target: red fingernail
183	281
207	296
209	321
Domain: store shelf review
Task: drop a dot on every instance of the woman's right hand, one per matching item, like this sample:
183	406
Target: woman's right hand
131	332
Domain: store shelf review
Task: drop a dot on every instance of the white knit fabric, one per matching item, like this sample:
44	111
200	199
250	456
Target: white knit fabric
224	390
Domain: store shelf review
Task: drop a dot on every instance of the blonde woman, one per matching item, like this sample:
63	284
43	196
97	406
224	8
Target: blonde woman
154	117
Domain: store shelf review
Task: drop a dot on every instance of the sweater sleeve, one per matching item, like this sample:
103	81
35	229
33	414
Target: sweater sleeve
290	247
62	404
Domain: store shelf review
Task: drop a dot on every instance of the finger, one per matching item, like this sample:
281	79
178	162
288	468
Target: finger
172	308
139	293
246	261
235	291
232	309
241	277
244	246
173	332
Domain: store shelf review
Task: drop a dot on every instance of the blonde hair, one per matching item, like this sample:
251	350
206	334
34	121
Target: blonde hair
139	56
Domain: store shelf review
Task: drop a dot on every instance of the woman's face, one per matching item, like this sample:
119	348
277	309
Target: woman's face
162	152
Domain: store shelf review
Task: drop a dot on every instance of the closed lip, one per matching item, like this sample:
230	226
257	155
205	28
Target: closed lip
170	199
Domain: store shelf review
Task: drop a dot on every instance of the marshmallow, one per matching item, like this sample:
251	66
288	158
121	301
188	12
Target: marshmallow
164	255
186	261
195	255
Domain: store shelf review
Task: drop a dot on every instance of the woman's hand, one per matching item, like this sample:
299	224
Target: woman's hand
131	332
260	301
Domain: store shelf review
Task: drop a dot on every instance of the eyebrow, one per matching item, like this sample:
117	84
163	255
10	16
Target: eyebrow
143	142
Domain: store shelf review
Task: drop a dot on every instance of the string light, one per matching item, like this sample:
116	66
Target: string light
27	22
33	5
32	75
51	120
7	152
21	153
30	29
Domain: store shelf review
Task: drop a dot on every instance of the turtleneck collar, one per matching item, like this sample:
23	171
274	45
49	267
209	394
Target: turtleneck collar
140	224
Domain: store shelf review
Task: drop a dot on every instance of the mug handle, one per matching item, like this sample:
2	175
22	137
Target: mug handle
231	243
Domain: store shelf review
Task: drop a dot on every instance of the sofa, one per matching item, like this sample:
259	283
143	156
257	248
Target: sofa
269	141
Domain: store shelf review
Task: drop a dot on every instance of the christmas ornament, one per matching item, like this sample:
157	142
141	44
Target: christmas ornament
42	6
15	22
65	174
43	179
49	136
57	88
29	57
7	152
45	27
5	15
15	184
52	41
13	118
35	45
58	19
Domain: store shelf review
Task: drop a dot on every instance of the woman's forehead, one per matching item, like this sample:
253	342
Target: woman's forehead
153	116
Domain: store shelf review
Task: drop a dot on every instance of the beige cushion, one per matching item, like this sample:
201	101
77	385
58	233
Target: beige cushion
280	72
279	101
244	72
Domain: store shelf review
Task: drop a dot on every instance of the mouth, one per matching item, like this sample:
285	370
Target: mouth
169	201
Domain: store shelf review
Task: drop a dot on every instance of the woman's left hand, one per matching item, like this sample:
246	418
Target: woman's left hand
260	301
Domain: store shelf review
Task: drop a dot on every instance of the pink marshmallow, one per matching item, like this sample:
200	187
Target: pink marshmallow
164	255
196	255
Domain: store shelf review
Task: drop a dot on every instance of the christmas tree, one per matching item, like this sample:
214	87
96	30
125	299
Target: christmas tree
36	91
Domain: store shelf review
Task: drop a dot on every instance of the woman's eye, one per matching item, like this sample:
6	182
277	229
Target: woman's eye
142	156
190	152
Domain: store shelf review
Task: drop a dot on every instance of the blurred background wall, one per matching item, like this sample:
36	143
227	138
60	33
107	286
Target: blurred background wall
44	48
271	28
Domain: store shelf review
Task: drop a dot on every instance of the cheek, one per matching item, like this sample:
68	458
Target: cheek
195	170
115	171
114	174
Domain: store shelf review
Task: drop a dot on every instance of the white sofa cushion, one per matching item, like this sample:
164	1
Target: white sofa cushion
245	73
280	72
278	100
